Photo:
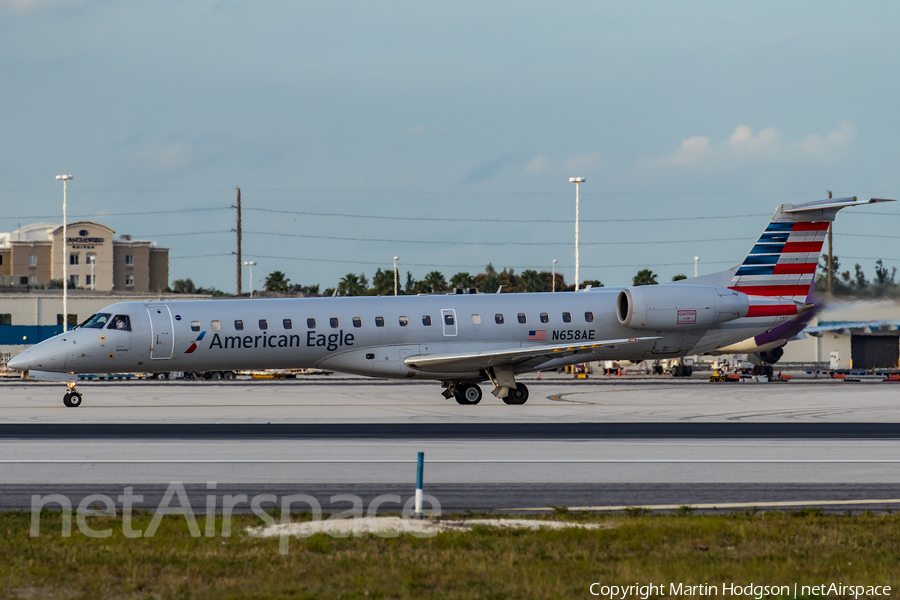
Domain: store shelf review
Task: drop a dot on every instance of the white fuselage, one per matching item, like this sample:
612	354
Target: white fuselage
365	335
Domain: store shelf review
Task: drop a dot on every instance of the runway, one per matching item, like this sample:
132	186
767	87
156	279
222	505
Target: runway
621	443
553	399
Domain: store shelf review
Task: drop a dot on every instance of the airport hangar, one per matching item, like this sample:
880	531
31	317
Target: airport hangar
851	334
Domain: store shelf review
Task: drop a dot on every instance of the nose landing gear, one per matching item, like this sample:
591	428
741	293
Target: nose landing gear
72	399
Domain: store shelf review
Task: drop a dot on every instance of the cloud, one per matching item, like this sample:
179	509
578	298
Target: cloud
23	6
163	158
584	162
768	145
489	169
536	165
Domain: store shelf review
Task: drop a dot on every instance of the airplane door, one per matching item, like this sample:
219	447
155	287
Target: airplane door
162	342
448	316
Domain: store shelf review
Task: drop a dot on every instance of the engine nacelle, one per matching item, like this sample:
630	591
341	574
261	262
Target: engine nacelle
672	307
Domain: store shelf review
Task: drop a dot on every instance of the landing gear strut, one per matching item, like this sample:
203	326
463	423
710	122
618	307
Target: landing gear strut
72	399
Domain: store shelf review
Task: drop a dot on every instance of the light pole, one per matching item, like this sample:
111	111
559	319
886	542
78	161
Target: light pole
696	260
554	274
576	181
250	263
65	261
92	259
396	275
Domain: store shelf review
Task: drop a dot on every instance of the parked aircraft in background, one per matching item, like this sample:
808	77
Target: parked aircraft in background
458	339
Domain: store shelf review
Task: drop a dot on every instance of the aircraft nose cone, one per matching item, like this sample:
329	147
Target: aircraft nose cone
49	355
19	362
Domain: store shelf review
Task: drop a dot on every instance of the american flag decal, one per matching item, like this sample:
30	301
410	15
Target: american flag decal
540	335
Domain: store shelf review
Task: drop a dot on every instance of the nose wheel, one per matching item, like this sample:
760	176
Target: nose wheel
72	399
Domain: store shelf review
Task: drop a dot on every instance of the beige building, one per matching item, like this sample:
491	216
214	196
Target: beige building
33	256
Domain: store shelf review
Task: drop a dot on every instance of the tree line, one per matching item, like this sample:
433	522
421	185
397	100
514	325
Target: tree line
850	283
487	282
855	283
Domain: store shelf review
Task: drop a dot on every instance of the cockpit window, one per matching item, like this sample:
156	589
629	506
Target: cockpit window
97	321
120	322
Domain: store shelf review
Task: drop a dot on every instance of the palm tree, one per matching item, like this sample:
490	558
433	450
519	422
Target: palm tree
679	277
489	284
435	280
531	281
182	286
462	280
276	282
591	282
645	277
383	282
350	286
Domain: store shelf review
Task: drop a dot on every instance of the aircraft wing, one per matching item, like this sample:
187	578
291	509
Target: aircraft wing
473	361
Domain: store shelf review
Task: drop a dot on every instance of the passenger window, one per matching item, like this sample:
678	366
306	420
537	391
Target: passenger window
263	324
589	317
238	324
215	325
404	321
522	318
545	318
426	320
287	324
567	317
120	322
334	322
498	319
379	321
357	322
448	319
195	325
476	319
311	323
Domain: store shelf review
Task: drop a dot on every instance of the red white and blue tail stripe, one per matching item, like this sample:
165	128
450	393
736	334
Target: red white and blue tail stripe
779	272
782	264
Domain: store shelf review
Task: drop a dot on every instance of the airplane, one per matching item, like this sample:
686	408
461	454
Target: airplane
459	339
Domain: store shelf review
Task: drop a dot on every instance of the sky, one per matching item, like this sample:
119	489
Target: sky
445	133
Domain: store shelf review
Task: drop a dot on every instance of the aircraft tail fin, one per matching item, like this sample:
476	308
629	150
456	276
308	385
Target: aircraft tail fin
783	261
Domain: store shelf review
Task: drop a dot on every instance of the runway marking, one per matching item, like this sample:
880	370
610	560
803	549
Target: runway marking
559	397
824	461
720	505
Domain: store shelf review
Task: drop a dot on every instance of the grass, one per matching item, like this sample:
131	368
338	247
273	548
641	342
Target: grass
767	547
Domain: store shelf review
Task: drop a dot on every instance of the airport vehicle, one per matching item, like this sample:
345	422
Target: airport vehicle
458	339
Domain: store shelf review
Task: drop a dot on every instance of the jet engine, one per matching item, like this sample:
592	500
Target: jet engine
673	307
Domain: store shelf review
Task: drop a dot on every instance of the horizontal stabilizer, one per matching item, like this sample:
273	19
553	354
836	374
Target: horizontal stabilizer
473	361
836	203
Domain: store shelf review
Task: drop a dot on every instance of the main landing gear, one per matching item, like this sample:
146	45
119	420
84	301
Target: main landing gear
470	393
465	393
517	395
72	399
